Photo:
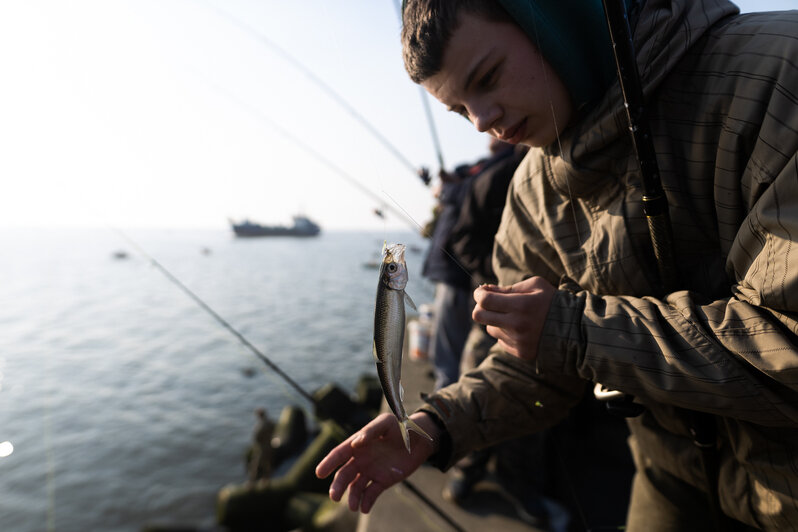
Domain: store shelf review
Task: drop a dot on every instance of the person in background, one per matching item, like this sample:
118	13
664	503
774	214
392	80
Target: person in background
579	301
520	464
259	461
453	301
470	200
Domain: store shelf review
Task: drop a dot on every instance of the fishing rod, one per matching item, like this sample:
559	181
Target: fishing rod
273	366
655	207
655	203
424	98
215	315
325	87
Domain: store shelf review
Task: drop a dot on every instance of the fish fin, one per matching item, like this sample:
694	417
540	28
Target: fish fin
405	434
415	428
409	301
374	351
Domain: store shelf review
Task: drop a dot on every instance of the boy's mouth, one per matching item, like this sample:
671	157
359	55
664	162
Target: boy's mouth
515	134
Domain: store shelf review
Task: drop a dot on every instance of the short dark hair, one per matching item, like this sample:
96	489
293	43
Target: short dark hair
427	26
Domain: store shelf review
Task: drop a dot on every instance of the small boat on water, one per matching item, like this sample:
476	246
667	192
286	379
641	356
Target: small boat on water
303	226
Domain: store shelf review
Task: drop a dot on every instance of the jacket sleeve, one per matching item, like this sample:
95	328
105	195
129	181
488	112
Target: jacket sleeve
502	398
735	357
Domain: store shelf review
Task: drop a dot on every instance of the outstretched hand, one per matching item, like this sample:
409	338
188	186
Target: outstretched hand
514	314
375	458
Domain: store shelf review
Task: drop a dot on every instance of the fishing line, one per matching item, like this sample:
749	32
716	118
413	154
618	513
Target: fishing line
172	278
263	119
402	215
442	248
557	130
325	87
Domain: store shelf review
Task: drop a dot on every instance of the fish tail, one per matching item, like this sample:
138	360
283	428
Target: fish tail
415	428
407	425
405	434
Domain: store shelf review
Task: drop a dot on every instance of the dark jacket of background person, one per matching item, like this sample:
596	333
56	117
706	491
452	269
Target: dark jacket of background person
439	265
471	237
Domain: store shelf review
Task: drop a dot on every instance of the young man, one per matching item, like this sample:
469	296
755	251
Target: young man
577	300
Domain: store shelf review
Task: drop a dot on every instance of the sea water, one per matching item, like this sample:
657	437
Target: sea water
125	403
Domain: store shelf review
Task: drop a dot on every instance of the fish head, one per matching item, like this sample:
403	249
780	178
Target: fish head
393	270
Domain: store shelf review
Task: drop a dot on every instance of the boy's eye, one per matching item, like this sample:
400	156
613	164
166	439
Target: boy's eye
487	80
460	110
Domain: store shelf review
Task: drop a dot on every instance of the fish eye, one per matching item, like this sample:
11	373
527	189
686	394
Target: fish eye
391	267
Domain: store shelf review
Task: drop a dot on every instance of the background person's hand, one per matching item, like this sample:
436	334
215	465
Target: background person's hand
375	458
514	314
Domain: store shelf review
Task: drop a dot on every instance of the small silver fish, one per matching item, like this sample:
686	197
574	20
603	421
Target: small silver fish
389	333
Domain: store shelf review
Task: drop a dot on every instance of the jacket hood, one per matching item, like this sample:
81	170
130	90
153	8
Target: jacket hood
664	31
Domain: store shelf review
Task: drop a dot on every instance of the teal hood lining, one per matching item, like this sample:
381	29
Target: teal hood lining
573	37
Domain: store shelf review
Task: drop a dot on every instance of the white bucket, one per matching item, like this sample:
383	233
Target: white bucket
419	333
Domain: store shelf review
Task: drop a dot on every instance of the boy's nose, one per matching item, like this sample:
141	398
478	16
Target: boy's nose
484	116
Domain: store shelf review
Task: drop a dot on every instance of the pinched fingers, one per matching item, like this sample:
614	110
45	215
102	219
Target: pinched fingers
497	308
509	321
489	317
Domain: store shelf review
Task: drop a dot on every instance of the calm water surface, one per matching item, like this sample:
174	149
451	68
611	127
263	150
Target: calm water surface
125	403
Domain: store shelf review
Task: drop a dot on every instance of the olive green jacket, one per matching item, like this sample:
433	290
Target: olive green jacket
722	96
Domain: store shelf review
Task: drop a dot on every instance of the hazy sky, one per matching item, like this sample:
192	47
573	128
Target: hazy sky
174	113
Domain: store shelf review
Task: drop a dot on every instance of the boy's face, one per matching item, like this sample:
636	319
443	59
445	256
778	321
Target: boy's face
494	76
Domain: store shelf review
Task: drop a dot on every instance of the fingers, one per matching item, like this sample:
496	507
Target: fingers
495	300
370	495
356	489
363	495
511	317
342	479
530	285
509	307
489	317
344	451
335	458
501	335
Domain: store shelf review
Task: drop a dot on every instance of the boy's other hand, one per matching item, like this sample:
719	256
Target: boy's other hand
514	314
